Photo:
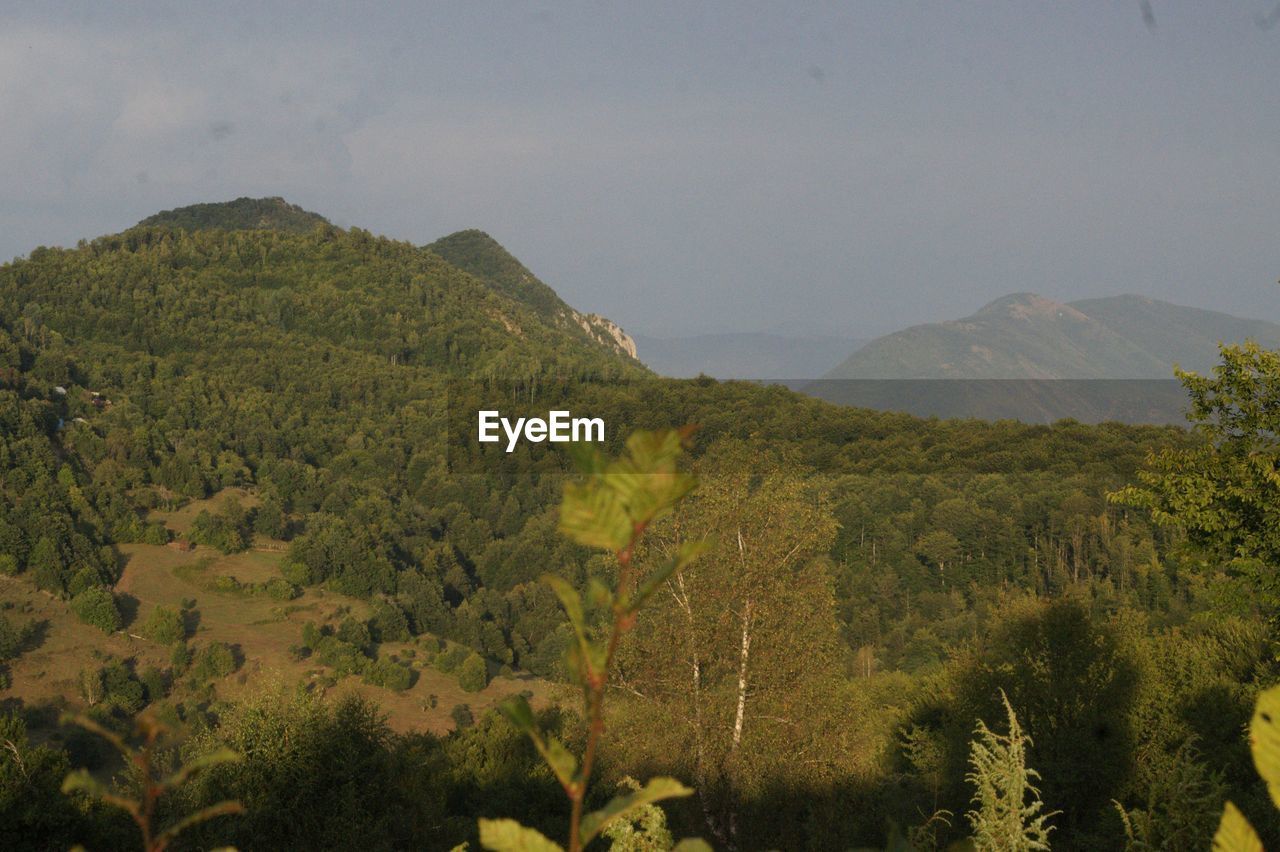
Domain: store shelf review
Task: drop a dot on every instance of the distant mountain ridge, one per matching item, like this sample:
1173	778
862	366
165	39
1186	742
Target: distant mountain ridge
1027	336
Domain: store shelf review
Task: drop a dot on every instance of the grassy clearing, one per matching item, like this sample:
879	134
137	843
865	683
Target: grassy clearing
260	628
180	520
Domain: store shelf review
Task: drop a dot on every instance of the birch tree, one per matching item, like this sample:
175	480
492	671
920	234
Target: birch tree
730	662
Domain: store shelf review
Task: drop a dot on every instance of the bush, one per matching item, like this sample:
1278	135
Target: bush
215	660
388	623
390	675
226	583
155	534
343	657
462	716
10	639
85	578
450	660
296	573
355	633
8	564
280	589
473	676
227	530
97	606
180	659
155	684
164	625
121	689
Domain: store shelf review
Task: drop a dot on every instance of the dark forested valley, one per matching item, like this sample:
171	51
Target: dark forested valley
233	500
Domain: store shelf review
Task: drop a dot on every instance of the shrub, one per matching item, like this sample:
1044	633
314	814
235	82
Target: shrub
97	606
280	589
473	676
343	657
164	625
388	623
85	578
155	534
121	689
226	583
8	564
269	519
180	659
10	639
296	573
450	660
226	530
155	684
390	675
462	716
215	660
355	633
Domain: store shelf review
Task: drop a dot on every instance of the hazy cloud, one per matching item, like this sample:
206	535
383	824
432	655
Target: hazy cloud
685	168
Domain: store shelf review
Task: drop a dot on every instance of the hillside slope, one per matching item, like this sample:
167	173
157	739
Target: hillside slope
1026	336
479	254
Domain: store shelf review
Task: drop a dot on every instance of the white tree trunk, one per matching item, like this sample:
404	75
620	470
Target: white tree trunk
742	675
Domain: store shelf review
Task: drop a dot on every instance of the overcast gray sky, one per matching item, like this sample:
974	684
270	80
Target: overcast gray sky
685	167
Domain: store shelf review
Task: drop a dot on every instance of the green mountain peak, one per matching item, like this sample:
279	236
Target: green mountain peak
269	214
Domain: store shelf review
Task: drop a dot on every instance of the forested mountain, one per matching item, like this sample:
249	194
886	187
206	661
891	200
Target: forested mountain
273	214
1025	336
479	254
264	416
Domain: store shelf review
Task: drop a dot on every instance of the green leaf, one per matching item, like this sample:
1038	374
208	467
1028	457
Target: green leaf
507	835
586	457
594	517
569	599
624	481
202	815
520	714
656	790
80	781
1264	740
686	553
655	451
572	604
216	757
600	595
562	762
656	494
1235	834
93	727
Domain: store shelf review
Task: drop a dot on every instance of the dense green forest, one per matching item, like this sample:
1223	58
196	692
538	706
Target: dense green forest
891	576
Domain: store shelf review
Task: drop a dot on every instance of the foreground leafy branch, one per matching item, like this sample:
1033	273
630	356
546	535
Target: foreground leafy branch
1007	813
1235	834
610	509
153	784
